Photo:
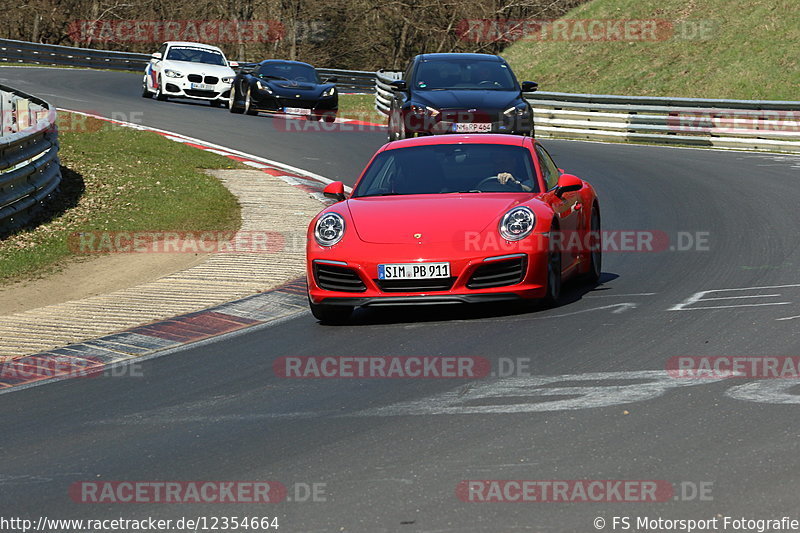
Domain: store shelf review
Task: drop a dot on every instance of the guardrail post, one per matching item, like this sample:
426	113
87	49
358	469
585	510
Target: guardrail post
6	113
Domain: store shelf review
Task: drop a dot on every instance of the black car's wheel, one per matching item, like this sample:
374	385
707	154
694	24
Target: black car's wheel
553	274
248	104
330	314
145	92
596	253
401	127
392	134
160	96
232	106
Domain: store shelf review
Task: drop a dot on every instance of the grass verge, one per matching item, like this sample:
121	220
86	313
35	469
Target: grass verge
740	49
119	179
360	107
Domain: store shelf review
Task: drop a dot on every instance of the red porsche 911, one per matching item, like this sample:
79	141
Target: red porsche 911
449	219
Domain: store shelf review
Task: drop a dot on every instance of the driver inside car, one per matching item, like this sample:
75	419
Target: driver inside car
510	172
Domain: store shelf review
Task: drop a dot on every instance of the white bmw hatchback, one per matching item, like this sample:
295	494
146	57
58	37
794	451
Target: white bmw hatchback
188	70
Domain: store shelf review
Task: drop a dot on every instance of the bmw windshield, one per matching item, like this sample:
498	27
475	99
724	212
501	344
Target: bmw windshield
196	55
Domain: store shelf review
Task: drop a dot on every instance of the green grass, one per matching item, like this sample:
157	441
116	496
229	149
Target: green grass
120	179
750	52
360	107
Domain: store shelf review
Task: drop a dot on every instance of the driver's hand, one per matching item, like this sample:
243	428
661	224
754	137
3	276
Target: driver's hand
505	177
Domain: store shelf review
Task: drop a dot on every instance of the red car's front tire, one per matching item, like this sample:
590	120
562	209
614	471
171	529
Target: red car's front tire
330	314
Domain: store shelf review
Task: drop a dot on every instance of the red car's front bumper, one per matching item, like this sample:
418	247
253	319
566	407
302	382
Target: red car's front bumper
350	277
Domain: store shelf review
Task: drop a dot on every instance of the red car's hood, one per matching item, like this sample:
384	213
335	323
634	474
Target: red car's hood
438	217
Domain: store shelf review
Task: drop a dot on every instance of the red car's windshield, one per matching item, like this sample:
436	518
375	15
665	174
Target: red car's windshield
450	168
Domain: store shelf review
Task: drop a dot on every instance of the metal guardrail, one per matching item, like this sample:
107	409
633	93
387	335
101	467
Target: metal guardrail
743	124
12	51
356	81
29	168
49	54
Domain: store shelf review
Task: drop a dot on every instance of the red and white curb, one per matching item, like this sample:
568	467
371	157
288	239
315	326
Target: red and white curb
94	358
297	177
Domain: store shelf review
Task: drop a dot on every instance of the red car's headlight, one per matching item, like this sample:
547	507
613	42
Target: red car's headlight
329	229
517	224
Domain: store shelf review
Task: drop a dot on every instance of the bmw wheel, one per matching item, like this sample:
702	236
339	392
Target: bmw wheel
160	96
145	92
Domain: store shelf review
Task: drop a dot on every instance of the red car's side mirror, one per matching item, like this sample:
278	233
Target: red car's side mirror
334	191
568	183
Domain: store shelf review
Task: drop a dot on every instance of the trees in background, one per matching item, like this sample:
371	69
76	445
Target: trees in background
354	34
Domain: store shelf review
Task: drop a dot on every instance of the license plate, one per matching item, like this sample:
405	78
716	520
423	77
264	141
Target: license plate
202	86
414	271
296	111
476	127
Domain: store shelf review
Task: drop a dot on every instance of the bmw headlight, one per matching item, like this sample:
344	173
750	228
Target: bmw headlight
329	92
264	87
172	73
517	224
519	109
227	80
329	229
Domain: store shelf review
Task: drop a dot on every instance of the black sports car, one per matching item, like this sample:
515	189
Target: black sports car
459	93
280	86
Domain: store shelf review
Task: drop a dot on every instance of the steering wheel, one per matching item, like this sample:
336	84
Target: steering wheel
505	186
488	82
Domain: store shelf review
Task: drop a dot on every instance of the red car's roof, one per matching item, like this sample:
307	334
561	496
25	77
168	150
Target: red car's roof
477	138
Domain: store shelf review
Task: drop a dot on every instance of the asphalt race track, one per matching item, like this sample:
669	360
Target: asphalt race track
391	452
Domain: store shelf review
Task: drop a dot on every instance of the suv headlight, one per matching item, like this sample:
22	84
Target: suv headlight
172	73
227	80
329	92
519	109
329	229
424	110
264	87
517	224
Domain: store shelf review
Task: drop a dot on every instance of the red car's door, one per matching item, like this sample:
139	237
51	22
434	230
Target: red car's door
567	208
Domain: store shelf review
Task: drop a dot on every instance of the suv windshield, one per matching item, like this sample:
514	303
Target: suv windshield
464	74
196	55
451	168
